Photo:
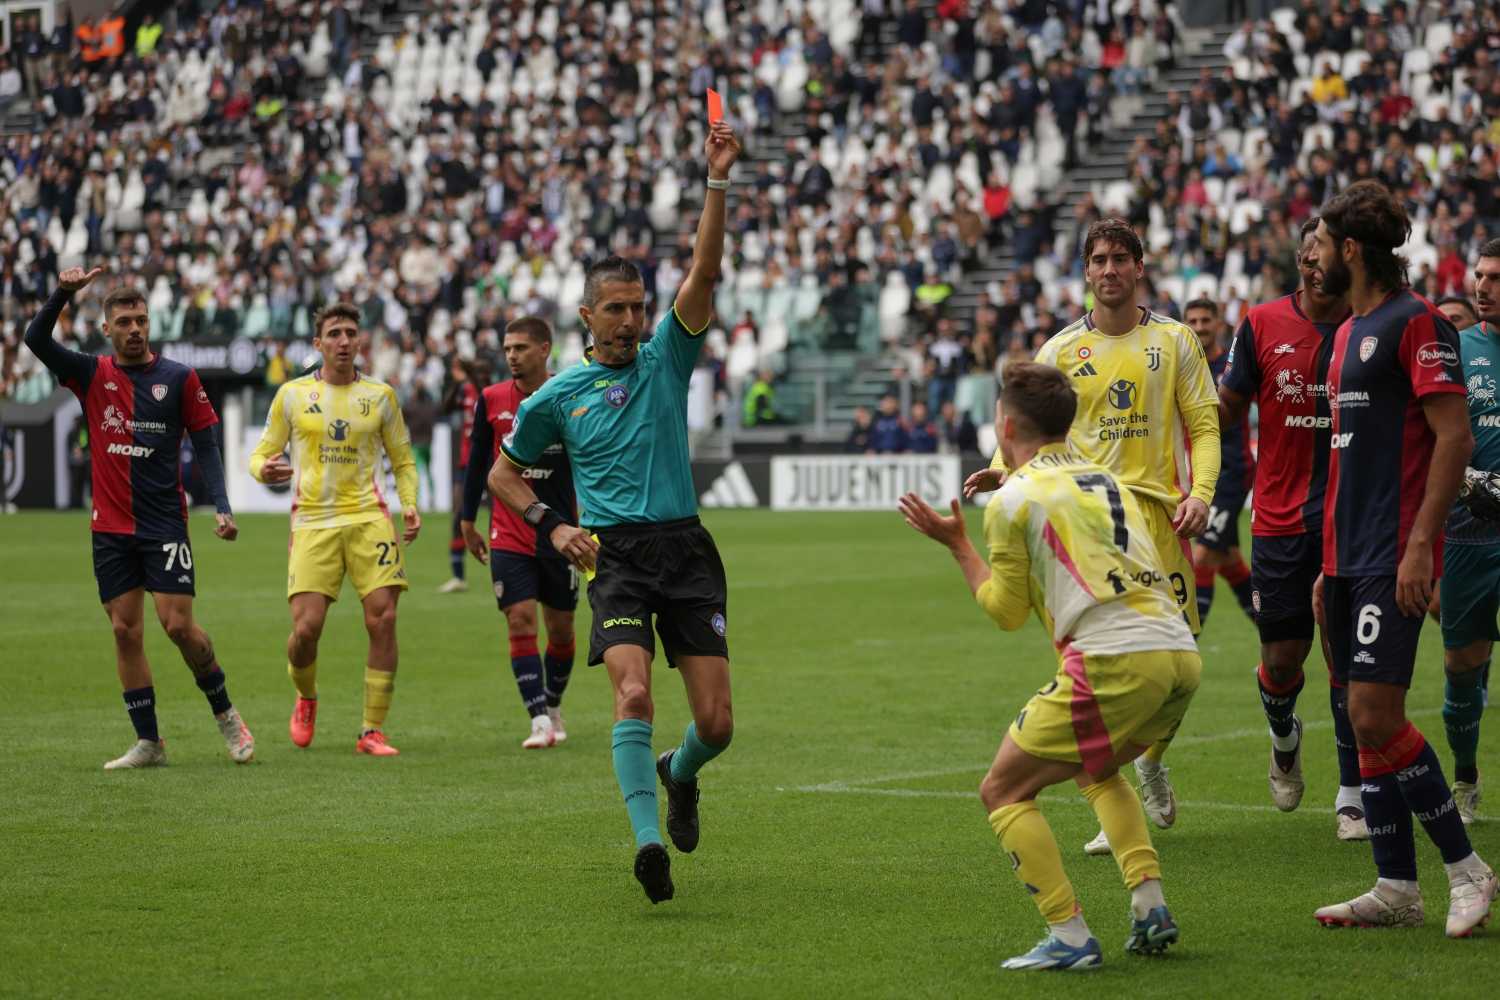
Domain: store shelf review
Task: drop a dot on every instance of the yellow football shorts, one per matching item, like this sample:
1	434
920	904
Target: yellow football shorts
1097	703
1176	557
369	552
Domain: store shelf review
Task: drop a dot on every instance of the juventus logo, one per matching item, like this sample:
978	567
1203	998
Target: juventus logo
364	405
1153	358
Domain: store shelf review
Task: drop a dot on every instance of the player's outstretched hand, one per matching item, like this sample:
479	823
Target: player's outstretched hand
1318	601
474	542
983	481
1414	581
76	278
225	527
576	545
1192	518
722	149
276	470
948	530
413	522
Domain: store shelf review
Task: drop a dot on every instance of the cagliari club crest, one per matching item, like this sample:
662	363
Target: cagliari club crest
159	392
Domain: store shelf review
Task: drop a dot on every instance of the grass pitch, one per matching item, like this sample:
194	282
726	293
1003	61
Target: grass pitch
844	850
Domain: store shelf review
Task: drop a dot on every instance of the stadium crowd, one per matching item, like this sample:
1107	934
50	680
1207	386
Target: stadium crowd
459	173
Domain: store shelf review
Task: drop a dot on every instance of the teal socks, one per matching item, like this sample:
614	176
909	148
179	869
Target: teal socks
635	769
692	755
1463	705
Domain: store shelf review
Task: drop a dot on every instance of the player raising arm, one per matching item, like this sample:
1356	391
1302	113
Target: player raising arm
138	405
525	567
1279	361
622	417
338	421
1066	540
1400	441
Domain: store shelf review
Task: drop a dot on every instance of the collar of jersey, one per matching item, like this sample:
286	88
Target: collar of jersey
1088	321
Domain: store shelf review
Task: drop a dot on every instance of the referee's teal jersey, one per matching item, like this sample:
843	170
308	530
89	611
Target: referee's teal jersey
625	430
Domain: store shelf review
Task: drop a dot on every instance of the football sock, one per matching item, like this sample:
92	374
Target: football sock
1463	704
1146	897
559	667
1203	576
1072	932
1237	575
305	679
1419	774
212	686
1344	743
378	687
1151	759
1124	822
636	772
526	664
1027	840
141	704
1280	702
1388	818
456	553
692	755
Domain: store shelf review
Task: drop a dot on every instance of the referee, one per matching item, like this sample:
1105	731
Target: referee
622	417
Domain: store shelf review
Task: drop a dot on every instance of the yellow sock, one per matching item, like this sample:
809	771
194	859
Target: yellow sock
1156	751
1124	823
1027	839
305	678
378	687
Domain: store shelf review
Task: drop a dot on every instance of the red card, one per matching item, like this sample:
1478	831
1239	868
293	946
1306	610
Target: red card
715	107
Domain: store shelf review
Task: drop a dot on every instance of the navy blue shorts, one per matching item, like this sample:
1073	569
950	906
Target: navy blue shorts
519	578
1470	594
1369	638
1223	531
1283	569
123	563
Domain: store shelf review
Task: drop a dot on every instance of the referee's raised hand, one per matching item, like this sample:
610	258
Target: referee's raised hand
576	545
722	148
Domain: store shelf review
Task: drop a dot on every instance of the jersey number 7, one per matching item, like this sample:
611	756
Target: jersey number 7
1095	481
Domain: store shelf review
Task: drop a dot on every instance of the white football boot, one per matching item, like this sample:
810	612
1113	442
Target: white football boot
559	732
237	738
1466	797
1099	845
1287	785
1156	793
145	753
1470	895
1376	908
541	734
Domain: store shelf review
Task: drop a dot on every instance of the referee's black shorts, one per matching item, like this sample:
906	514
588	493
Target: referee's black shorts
670	572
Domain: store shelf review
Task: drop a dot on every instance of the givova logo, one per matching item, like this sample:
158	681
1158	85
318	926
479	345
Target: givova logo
617	622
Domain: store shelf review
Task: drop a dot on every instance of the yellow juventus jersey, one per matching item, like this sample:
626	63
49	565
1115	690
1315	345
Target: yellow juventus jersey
1065	539
337	433
1141	398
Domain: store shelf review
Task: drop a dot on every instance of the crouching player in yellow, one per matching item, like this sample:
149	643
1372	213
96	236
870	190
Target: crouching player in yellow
1065	539
338	421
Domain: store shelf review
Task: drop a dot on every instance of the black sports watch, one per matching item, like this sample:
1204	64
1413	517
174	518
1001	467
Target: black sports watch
542	518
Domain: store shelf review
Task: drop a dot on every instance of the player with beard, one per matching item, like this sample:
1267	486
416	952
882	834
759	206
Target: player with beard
1279	361
524	566
1400	443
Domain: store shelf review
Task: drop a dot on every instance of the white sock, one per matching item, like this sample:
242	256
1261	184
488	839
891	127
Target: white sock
1072	932
1465	866
1287	743
1146	897
1398	889
1349	798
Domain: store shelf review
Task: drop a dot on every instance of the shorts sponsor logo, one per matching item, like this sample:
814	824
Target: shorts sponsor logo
1436	356
718	622
184	579
131	450
159	392
616	396
622	622
1122	394
1363	656
1310	422
1255	600
499	589
1367	348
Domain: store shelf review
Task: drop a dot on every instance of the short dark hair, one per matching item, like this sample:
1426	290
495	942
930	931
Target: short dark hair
125	295
611	268
1491	248
1369	214
1458	300
1041	396
534	327
334	310
1113	231
1201	303
1308	228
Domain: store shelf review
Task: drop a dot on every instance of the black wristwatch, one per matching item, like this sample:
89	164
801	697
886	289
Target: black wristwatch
542	518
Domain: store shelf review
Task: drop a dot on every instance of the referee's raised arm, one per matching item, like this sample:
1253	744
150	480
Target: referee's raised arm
695	299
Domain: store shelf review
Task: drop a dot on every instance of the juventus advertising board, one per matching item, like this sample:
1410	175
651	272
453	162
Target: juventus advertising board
861	482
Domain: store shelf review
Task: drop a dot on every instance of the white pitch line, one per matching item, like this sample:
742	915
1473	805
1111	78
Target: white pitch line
979	769
932	793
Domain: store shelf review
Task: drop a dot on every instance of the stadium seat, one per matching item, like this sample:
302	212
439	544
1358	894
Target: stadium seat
895	303
1438	37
